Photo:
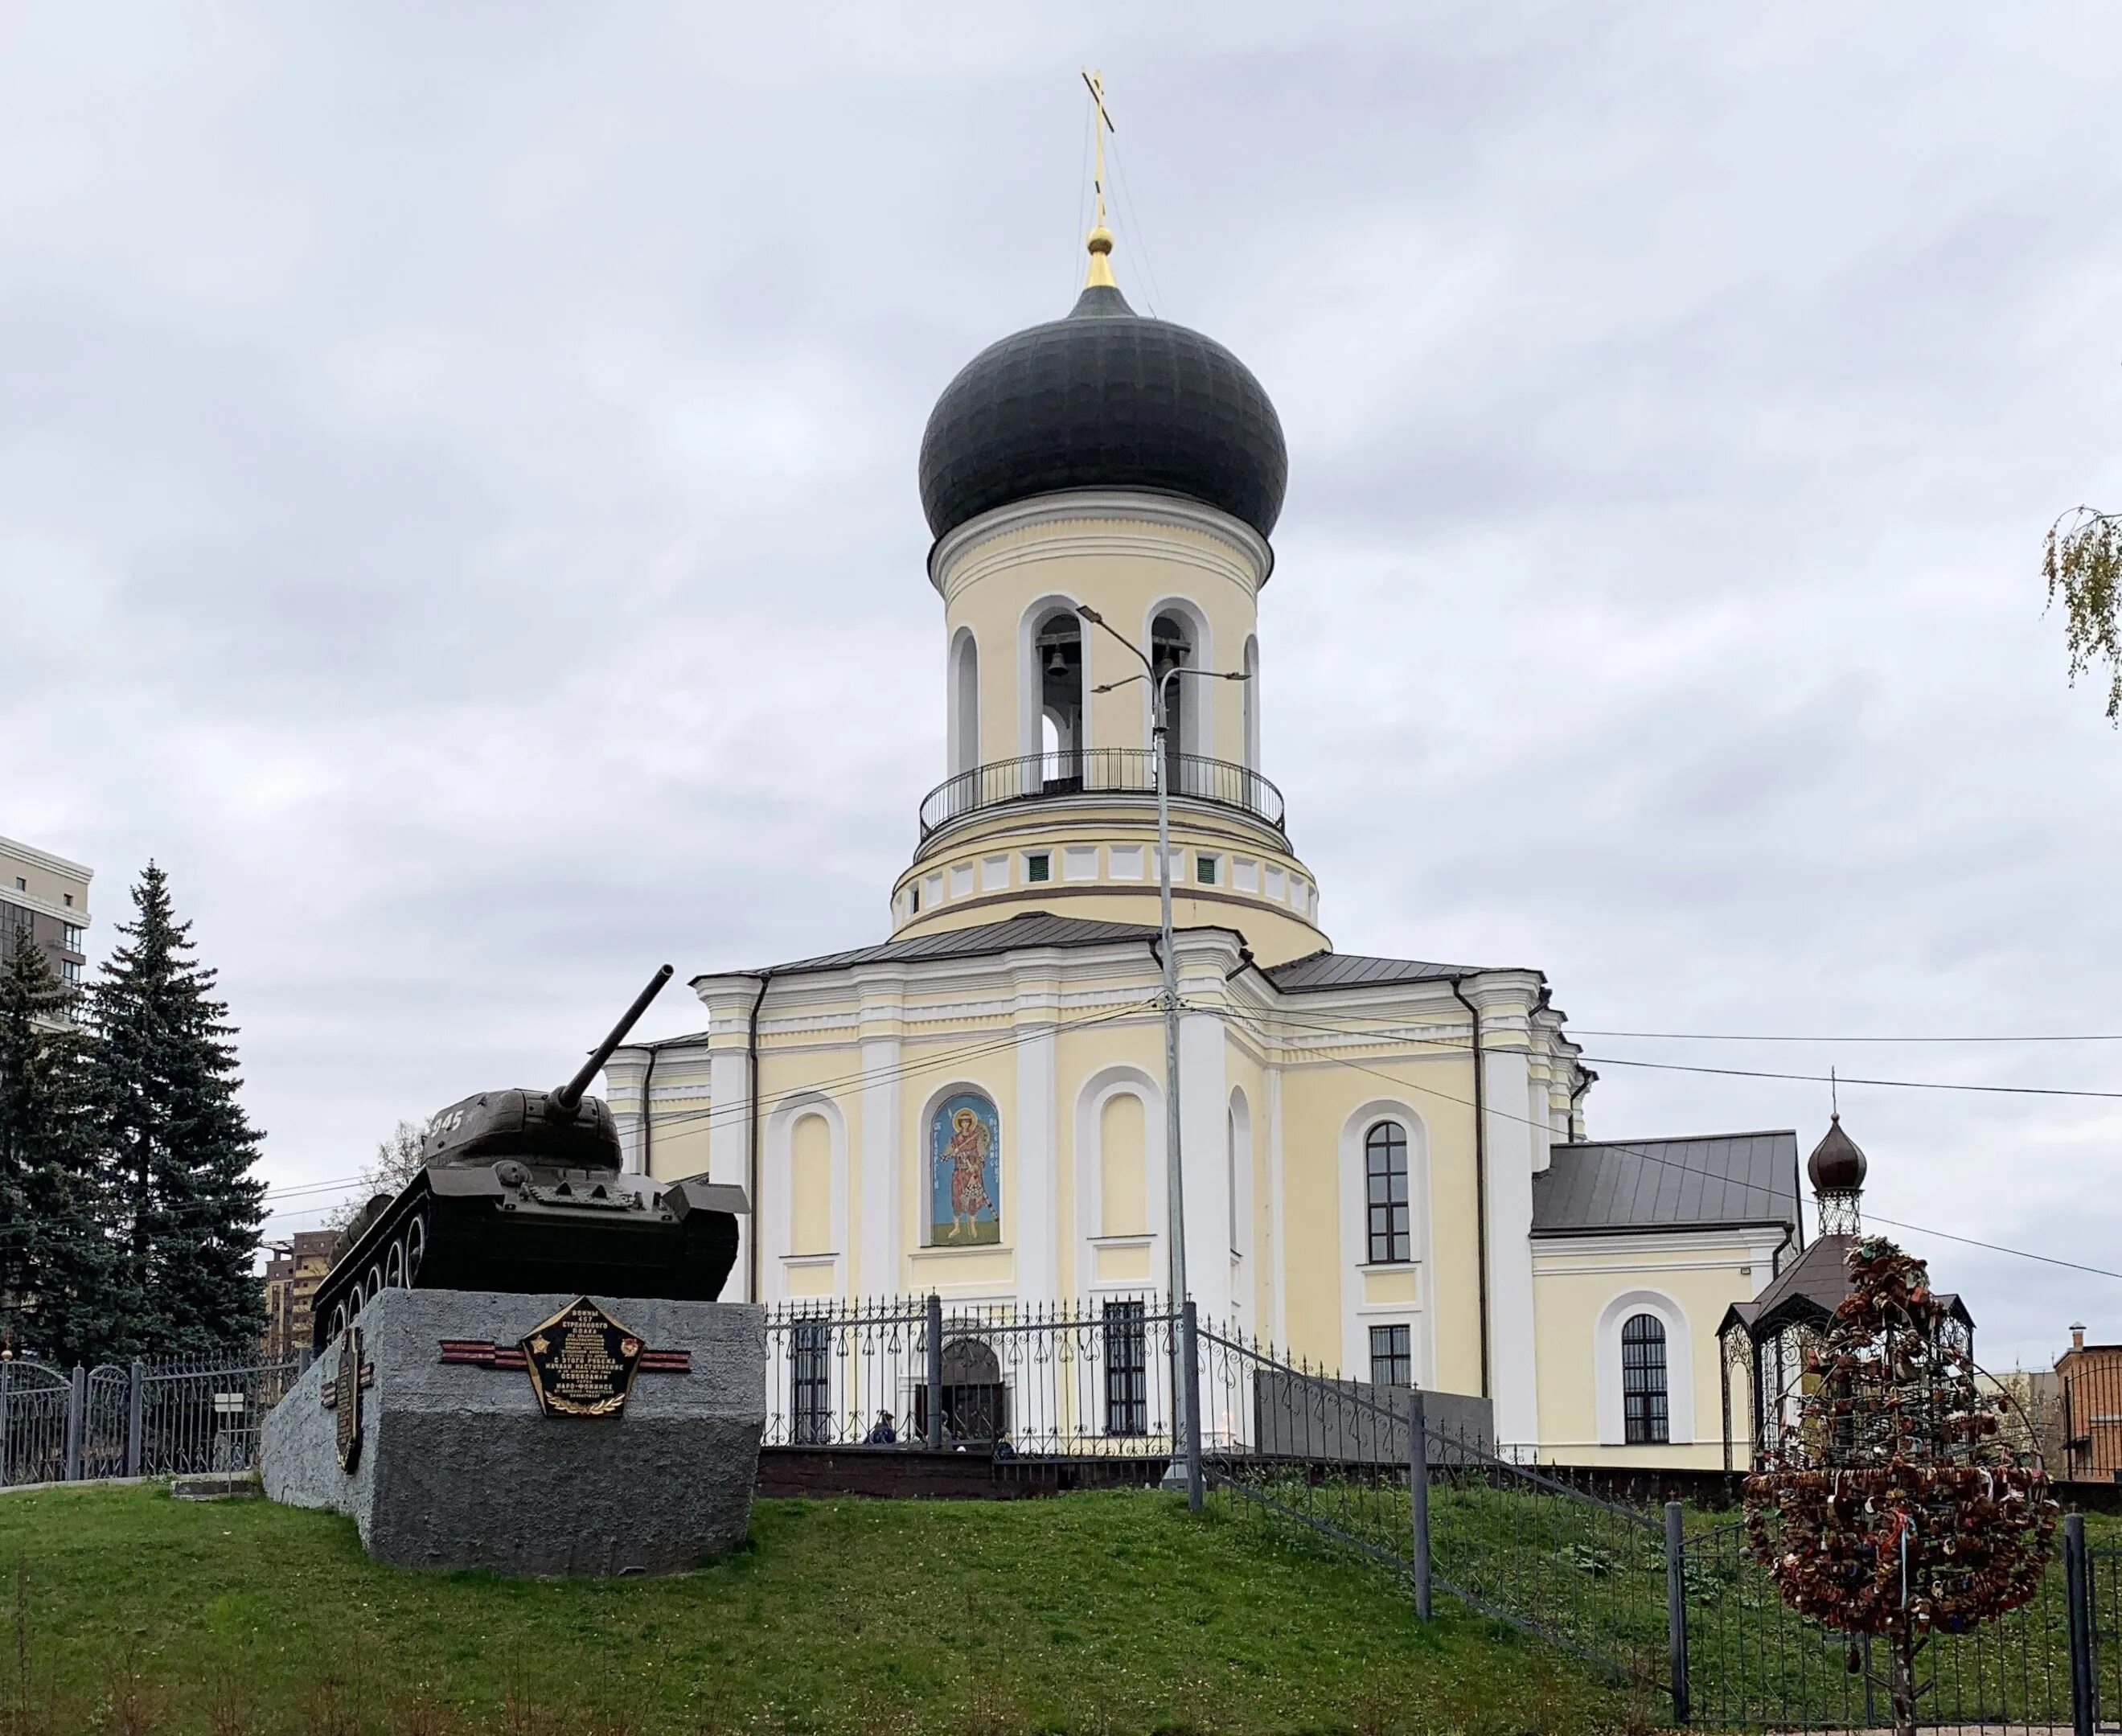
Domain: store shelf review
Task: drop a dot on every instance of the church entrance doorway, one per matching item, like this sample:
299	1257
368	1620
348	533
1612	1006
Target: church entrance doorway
975	1402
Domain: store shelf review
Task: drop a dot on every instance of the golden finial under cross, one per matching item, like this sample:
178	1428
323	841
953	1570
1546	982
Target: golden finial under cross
1100	240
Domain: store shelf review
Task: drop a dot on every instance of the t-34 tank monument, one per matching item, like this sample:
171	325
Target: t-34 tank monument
522	1364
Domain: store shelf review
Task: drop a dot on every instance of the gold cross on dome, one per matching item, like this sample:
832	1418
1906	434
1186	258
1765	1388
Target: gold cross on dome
1100	241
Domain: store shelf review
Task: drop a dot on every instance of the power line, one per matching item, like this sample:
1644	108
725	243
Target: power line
1994	1248
1715	1037
1847	1079
1673	1163
1319	1017
728	1113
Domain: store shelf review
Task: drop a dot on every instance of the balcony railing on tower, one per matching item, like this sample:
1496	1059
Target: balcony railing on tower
1100	771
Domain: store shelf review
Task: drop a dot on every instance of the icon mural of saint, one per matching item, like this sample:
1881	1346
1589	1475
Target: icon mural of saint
964	1172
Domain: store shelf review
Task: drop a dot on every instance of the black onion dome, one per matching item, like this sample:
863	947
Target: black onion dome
1836	1166
1103	399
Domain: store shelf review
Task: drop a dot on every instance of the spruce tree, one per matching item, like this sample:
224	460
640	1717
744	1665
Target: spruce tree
55	1263
164	1084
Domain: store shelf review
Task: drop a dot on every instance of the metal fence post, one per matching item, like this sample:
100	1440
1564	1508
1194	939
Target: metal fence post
1675	1607
135	1408
1190	1353
1418	1497
77	1403
935	1373
7	1422
2078	1606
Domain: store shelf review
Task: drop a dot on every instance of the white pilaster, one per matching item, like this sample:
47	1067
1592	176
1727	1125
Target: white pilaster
1037	1210
1509	1150
729	1084
624	1075
1204	1094
878	1237
1276	1313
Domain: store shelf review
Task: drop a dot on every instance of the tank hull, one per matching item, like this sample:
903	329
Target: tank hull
512	1228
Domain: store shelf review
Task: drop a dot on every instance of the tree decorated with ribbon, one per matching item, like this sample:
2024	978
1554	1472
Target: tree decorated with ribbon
1901	1503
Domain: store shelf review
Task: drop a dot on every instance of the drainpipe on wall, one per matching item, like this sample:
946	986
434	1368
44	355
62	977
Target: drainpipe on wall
1586	1080
1480	1176
751	1135
647	1114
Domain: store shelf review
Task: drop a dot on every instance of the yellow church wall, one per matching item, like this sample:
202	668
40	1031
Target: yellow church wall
1318	1100
1124	1203
809	1186
1583	1286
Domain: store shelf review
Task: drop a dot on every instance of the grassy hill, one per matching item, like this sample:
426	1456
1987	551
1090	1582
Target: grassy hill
1110	1613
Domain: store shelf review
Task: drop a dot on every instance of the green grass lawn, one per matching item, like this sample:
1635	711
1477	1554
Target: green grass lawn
1107	1612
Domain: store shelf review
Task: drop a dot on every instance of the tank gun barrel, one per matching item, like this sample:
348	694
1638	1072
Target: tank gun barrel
568	1097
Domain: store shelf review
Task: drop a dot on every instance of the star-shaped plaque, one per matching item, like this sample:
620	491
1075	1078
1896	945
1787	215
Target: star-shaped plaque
581	1361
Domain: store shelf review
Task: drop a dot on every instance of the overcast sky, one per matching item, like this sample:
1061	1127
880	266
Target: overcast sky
457	513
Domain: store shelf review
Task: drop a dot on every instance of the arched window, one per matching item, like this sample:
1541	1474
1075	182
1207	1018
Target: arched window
964	1171
964	702
1384	1193
1643	1410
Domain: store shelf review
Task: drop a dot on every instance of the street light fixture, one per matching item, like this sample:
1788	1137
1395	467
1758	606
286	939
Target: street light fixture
1174	1194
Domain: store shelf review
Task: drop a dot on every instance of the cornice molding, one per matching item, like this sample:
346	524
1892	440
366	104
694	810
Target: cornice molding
1104	514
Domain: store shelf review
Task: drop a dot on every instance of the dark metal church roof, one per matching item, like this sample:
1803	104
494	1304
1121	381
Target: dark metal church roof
1591	1187
1317	971
1103	398
1034	928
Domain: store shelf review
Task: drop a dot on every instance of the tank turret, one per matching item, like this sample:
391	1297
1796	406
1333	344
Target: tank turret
525	1191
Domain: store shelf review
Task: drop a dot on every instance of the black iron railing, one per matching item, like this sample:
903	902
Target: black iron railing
1100	771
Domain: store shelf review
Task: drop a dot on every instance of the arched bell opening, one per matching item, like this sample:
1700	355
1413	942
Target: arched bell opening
1171	646
1057	650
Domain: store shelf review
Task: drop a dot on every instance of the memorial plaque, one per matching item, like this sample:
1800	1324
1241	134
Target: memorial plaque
346	1399
581	1362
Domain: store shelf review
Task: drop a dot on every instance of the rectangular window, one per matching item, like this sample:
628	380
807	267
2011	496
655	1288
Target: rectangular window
1127	1369
810	1382
67	899
70	973
914	898
72	939
1204	869
1039	866
1392	1356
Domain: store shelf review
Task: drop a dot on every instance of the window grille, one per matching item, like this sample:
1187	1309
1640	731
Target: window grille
1127	1369
1392	1356
810	1382
1385	1171
1643	1419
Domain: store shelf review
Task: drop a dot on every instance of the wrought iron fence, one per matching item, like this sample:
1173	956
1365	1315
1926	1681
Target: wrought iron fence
1073	1380
1412	1480
172	1416
1095	771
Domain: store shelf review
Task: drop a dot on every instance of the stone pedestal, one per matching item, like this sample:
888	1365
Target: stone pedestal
458	1466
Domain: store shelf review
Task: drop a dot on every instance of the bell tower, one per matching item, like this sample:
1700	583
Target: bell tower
1101	488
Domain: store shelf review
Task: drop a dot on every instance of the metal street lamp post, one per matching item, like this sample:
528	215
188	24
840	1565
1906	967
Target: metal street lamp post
1175	1186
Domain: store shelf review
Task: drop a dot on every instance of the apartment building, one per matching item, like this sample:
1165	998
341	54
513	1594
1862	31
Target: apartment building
48	895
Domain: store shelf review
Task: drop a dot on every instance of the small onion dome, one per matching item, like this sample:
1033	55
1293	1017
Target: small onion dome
1102	399
1836	1165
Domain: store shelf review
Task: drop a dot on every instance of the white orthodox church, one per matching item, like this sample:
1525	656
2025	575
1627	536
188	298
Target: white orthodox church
1385	1165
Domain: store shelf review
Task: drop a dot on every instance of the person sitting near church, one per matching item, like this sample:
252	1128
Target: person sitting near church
883	1432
